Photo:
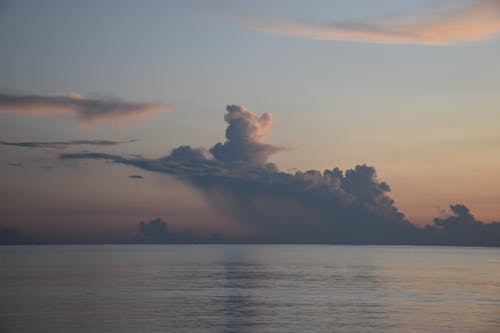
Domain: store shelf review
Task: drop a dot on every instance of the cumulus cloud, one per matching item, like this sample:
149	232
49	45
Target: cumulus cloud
312	206
245	137
476	20
87	110
332	206
63	144
157	231
460	227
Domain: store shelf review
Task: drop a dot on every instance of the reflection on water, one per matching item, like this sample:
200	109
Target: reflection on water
249	288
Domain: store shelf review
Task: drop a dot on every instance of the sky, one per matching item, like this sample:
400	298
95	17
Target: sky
408	88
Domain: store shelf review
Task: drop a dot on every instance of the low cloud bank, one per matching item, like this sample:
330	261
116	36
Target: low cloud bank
12	236
157	231
460	227
333	206
245	137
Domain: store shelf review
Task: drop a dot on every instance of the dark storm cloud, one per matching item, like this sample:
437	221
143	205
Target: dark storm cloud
473	20
312	206
332	206
63	144
157	231
87	110
460	227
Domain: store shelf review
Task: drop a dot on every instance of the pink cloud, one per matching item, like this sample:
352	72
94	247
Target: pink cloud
87	110
479	20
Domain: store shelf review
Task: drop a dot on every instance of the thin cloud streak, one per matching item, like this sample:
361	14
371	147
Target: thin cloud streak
478	20
63	144
87	110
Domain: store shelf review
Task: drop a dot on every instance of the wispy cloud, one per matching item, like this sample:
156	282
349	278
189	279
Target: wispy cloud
158	231
87	110
63	144
15	164
476	20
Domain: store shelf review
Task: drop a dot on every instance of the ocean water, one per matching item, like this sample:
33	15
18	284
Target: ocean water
249	288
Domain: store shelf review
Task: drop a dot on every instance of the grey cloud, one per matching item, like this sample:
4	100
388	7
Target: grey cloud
157	231
311	206
63	144
88	110
460	227
184	162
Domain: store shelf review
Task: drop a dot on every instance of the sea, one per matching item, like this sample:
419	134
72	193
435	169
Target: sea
249	288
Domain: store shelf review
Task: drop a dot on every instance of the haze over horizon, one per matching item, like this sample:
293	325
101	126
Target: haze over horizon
407	89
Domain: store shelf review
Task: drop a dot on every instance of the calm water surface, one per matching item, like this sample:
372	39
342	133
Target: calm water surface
249	288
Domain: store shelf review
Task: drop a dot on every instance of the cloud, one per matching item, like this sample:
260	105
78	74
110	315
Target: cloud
460	227
63	144
333	206
245	137
136	177
12	236
477	20
87	110
15	164
311	206
157	231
